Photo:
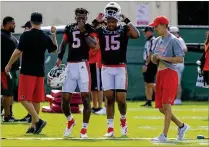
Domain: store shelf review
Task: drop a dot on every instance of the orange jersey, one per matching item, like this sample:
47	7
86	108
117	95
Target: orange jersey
95	54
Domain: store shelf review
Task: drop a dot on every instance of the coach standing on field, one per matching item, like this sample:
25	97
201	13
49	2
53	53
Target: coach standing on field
8	84
167	54
33	44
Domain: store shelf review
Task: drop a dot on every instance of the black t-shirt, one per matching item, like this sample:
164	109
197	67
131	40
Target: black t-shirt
8	45
78	48
33	44
113	44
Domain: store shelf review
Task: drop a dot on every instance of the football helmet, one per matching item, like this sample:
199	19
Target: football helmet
56	76
113	10
174	29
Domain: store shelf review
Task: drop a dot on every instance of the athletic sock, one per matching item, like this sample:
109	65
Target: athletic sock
69	118
123	116
110	123
182	126
164	135
85	125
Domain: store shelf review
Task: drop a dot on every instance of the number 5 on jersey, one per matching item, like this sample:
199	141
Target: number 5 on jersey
112	43
76	40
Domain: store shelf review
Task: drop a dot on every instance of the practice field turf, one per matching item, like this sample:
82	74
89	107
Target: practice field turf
144	124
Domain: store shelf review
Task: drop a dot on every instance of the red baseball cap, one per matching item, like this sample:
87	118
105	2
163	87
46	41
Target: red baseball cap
159	20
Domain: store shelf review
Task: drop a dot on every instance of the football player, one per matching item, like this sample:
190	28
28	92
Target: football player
113	44
76	35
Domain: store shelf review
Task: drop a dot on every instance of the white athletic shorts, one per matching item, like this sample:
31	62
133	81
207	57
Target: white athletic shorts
180	69
114	78
77	74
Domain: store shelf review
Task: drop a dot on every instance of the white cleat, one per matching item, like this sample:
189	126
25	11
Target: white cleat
177	102
110	132
83	133
123	127
101	112
160	138
69	127
181	132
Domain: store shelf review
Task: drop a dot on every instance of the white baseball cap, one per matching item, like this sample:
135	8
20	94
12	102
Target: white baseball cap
173	29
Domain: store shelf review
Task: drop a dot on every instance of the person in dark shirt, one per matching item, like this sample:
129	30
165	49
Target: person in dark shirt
8	83
27	26
77	37
33	45
113	39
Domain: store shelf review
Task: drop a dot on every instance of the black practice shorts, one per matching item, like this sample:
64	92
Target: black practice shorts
149	75
206	77
96	80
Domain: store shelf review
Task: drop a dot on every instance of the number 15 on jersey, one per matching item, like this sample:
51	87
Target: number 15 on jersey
112	42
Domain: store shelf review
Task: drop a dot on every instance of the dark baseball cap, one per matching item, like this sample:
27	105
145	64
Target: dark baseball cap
36	18
27	25
148	29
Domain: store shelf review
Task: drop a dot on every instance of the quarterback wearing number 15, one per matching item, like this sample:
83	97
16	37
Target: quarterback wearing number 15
113	44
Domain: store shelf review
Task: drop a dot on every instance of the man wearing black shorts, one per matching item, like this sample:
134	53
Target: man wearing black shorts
8	82
149	69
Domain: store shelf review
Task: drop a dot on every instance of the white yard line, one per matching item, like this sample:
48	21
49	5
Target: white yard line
59	138
173	128
174	109
171	141
161	117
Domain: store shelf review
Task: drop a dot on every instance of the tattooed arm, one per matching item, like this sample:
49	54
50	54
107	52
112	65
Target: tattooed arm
90	41
62	49
133	32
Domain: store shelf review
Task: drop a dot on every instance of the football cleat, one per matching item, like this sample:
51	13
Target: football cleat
123	127
83	133
110	132
101	112
69	127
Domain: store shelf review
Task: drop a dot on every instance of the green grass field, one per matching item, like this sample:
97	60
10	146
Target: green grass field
144	123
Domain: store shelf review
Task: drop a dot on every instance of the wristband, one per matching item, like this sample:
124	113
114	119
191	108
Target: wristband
127	21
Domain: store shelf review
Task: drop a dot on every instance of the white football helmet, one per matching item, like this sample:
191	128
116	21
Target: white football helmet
174	29
113	10
56	76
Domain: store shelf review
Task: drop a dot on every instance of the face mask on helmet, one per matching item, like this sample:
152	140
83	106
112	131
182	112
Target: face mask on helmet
56	76
112	10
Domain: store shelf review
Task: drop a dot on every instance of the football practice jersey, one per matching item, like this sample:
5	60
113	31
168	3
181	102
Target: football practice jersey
113	44
78	48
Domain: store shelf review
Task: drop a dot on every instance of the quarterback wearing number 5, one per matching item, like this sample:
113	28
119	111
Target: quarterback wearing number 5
113	44
77	37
